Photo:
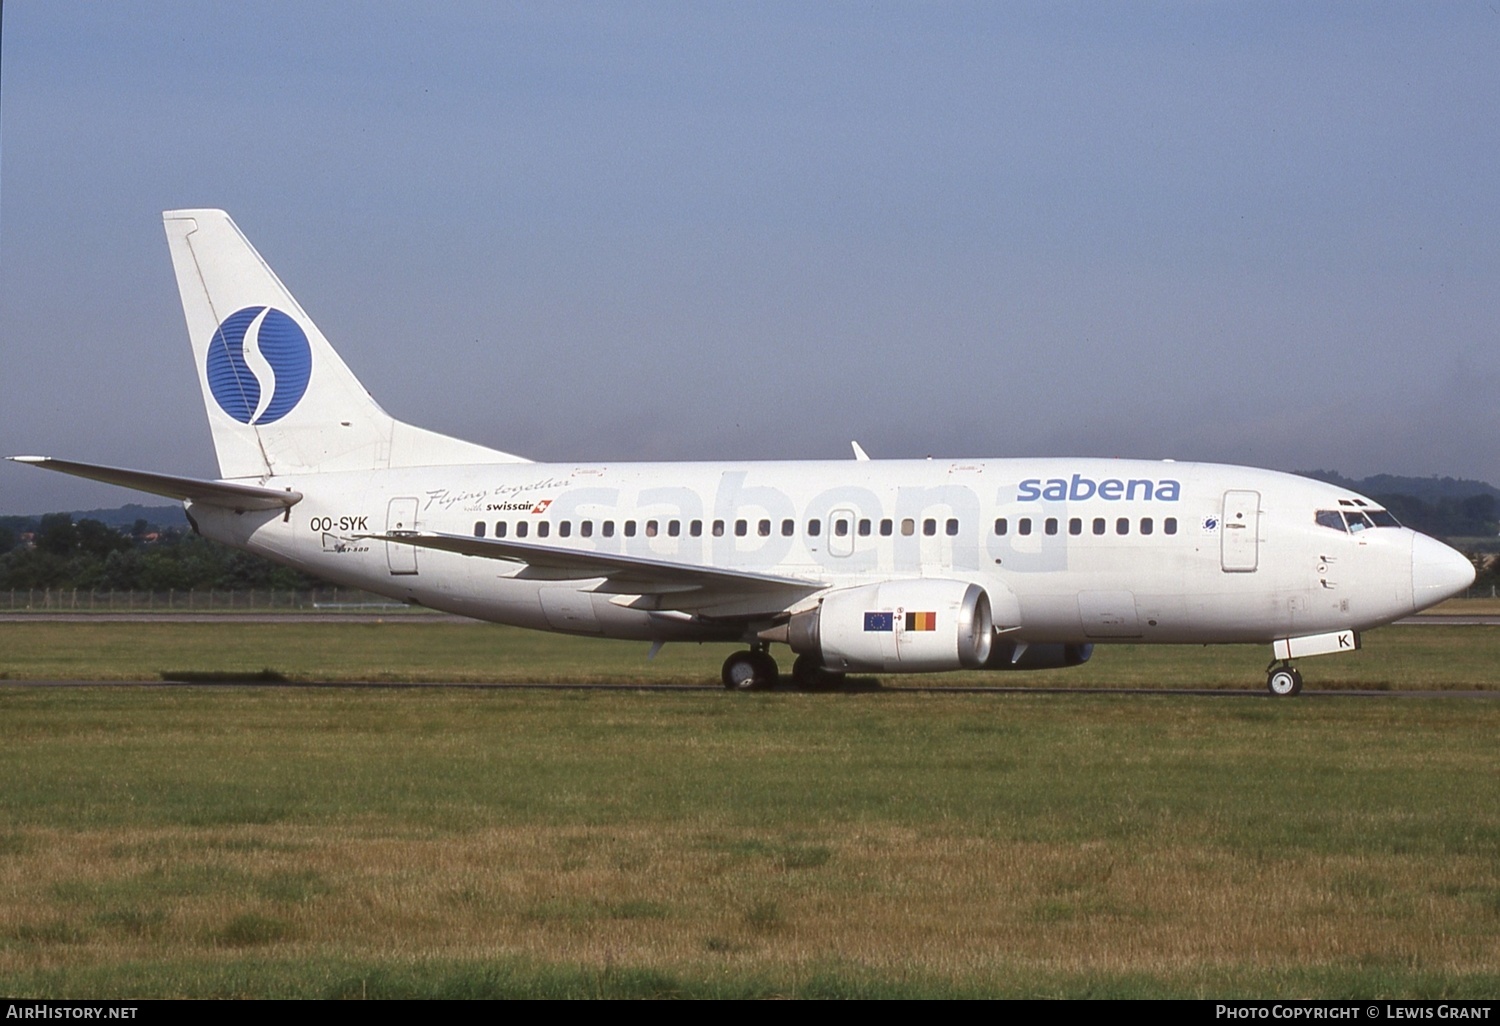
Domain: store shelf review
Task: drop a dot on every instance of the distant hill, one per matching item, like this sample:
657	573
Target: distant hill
1444	507
118	517
1428	489
127	515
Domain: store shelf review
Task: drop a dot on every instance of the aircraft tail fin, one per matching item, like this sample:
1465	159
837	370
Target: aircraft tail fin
279	398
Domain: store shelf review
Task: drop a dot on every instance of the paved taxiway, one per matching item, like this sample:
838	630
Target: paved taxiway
870	686
403	616
395	616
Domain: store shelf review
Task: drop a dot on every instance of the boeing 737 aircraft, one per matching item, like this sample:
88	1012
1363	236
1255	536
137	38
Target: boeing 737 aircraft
885	566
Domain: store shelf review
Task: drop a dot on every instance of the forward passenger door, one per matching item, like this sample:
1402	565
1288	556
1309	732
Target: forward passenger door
1239	532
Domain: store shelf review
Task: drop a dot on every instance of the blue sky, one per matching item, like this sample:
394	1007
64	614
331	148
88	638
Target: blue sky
1258	233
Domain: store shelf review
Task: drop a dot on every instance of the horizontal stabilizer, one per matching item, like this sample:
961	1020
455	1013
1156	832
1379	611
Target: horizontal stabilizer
209	493
584	563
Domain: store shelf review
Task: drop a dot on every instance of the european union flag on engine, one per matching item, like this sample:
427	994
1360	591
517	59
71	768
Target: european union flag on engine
880	621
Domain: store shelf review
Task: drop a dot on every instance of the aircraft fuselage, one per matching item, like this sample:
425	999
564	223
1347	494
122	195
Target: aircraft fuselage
860	565
1093	550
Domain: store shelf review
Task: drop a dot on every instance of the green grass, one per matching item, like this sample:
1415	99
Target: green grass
507	978
314	842
410	650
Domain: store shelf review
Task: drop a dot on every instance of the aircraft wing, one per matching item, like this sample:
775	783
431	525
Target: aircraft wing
627	573
227	494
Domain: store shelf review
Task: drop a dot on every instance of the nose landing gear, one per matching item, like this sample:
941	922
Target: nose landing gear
1283	680
754	670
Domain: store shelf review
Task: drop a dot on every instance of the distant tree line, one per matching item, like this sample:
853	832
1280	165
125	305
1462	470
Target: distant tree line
1477	516
1425	488
1444	507
90	554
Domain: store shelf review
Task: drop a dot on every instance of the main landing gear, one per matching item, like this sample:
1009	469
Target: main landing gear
754	670
1283	680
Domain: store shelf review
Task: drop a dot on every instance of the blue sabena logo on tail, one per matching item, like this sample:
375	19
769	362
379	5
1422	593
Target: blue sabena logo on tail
278	345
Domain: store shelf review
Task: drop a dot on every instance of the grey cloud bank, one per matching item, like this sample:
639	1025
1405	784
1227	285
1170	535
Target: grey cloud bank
1261	235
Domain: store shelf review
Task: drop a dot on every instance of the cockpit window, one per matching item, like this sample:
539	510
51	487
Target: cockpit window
1331	518
1355	520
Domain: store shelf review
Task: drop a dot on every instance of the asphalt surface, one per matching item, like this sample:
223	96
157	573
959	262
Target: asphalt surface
227	616
404	616
870	687
1450	620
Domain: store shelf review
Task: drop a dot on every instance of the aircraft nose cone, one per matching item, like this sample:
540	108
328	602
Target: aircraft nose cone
1437	571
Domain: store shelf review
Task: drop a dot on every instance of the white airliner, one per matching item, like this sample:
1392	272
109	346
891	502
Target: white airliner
884	566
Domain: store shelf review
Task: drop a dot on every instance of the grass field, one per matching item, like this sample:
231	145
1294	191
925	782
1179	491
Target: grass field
287	841
411	650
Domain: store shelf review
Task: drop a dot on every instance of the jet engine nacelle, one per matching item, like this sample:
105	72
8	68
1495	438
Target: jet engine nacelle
898	627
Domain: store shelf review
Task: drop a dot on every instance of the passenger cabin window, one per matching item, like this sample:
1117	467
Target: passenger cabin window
886	527
1075	525
1002	526
1147	526
864	528
1051	525
651	529
521	529
543	529
841	528
499	528
586	529
1024	527
788	528
565	529
929	527
630	528
609	529
674	528
951	528
479	529
908	527
1098	525
763	529
741	528
695	528
1122	525
814	528
718	528
1169	525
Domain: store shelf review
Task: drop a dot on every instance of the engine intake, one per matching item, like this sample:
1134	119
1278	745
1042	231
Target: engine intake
898	627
